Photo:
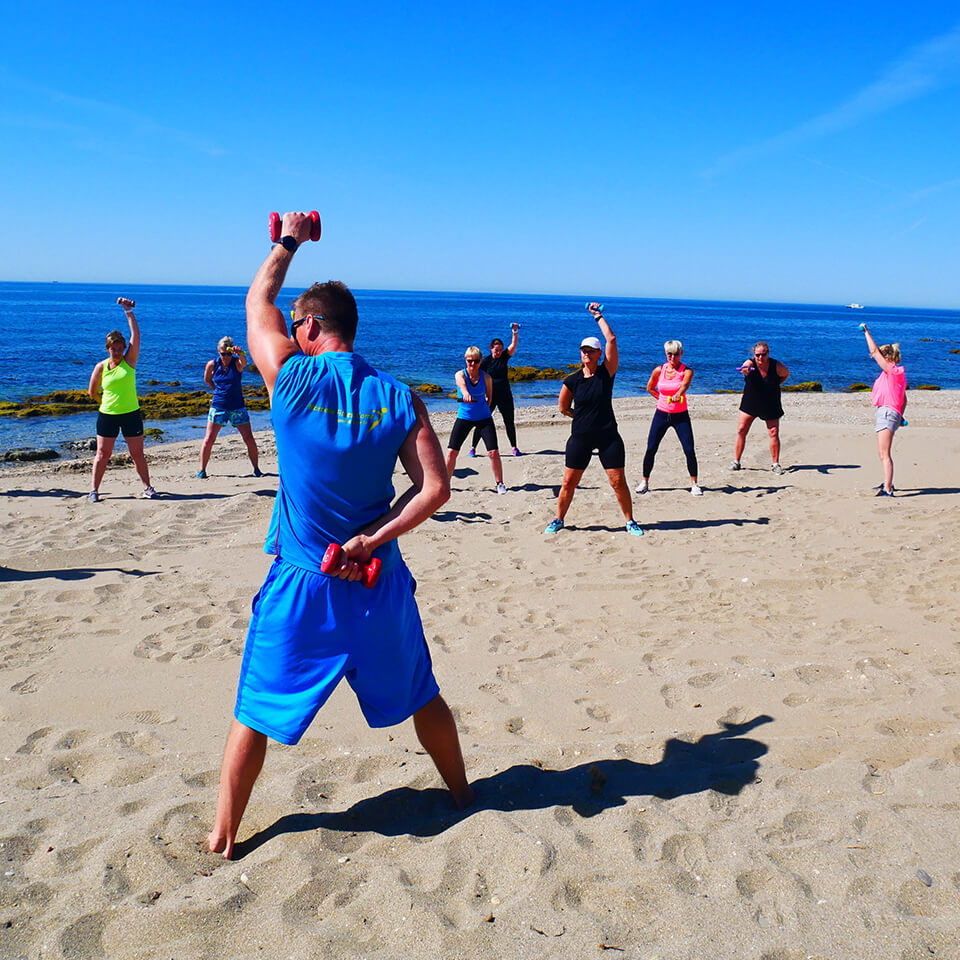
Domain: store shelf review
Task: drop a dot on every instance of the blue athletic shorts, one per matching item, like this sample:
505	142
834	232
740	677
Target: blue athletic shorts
308	631
236	418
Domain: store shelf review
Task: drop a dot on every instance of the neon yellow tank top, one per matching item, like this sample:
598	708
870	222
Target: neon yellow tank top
119	388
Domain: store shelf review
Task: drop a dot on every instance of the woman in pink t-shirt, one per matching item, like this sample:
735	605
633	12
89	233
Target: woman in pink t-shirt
890	398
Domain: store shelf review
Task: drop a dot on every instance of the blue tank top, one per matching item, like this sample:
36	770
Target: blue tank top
479	409
339	425
227	392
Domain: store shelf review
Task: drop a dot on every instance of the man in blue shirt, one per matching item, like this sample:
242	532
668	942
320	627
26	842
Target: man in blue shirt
340	426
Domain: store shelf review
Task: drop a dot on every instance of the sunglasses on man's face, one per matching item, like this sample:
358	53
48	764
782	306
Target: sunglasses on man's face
303	319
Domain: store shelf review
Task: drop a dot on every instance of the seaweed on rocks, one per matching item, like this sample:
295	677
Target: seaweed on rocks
809	386
526	374
25	455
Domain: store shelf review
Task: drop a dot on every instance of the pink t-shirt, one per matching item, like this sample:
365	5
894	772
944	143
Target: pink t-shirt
890	389
668	387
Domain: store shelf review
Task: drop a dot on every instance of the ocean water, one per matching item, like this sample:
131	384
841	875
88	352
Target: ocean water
51	336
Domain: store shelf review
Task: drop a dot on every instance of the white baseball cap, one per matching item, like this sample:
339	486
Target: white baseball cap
592	342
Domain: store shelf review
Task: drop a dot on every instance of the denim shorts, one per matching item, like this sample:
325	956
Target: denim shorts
235	418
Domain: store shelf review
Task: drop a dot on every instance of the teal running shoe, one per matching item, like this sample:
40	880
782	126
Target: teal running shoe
554	526
634	528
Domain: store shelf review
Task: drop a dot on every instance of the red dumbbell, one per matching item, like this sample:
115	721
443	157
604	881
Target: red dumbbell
276	222
331	559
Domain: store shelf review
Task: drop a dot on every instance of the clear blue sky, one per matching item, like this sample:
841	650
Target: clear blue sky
787	152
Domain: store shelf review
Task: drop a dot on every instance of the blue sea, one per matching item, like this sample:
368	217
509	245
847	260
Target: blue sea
51	336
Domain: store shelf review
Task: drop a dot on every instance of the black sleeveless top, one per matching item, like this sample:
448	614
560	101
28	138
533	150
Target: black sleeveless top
761	395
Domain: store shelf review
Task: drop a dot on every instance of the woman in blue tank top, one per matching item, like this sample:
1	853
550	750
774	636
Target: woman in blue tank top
222	375
475	389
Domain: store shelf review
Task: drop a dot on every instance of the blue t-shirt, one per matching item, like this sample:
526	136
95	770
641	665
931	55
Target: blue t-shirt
479	409
339	426
227	392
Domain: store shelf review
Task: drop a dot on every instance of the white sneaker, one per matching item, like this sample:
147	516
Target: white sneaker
642	487
696	491
734	464
777	469
501	488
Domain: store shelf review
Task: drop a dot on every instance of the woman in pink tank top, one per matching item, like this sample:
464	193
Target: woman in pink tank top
890	398
668	385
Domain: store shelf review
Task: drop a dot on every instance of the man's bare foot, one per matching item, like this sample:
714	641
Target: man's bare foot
219	843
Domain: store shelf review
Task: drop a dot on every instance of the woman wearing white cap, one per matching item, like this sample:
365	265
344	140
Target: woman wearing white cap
222	375
587	397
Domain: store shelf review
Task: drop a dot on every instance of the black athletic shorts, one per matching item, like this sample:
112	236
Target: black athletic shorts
110	424
462	429
607	443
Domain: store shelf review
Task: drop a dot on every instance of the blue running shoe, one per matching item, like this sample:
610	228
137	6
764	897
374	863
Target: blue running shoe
202	475
256	472
554	526
634	528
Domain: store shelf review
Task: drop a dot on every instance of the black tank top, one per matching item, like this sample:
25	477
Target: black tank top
761	395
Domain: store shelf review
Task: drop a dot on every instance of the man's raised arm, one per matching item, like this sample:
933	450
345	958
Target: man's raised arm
270	346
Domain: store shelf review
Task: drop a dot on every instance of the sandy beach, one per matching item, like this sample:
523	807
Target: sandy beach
735	737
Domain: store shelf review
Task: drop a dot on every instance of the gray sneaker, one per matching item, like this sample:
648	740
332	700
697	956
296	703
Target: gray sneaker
734	464
777	469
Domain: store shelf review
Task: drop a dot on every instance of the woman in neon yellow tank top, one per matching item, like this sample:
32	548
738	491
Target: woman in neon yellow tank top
113	384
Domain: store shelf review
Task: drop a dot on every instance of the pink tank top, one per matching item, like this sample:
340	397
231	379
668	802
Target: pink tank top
667	388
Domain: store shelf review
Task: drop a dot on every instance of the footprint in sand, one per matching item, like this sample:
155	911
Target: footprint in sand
32	742
148	716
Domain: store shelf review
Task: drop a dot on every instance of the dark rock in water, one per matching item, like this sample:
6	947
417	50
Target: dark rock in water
810	386
154	433
90	444
857	387
926	386
163	383
427	388
25	455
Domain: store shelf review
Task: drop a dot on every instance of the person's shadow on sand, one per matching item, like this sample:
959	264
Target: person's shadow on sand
725	762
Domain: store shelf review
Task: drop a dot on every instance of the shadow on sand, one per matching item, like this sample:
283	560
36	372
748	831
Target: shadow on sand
449	516
824	468
9	575
724	762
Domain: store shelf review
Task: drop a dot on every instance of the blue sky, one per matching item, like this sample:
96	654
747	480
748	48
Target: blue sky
702	150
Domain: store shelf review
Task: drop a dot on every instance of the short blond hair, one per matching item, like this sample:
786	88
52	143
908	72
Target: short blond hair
673	346
891	351
473	353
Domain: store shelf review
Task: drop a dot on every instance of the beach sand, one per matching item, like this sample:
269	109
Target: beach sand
735	737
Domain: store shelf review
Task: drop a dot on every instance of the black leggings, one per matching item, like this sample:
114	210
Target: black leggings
502	398
680	422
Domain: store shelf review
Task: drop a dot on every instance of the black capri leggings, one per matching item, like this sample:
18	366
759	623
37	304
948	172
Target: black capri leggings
502	399
680	422
485	429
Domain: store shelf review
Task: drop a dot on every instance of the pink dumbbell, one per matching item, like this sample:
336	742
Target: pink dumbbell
276	222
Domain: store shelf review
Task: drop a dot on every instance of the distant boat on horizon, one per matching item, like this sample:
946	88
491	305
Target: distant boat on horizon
854	306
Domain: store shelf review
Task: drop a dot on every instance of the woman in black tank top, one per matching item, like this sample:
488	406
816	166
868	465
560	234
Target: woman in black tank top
587	398
761	398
